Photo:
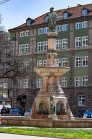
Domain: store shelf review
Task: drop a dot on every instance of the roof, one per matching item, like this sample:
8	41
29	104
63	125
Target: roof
75	12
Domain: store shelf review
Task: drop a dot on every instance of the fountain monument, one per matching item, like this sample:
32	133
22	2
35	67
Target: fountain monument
51	101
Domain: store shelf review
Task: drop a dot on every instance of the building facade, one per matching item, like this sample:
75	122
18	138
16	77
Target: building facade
74	49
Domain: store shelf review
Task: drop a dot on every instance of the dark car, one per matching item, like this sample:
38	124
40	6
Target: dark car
5	110
16	111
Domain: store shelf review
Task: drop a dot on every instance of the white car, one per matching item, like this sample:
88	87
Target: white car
27	112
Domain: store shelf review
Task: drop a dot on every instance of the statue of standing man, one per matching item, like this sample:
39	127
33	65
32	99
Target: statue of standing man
52	20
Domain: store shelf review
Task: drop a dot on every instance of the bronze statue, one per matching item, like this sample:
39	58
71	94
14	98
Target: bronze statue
52	20
42	108
52	108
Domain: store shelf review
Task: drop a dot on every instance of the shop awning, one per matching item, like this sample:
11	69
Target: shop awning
20	97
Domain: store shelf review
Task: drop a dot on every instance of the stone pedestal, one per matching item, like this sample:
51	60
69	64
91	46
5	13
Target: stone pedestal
52	116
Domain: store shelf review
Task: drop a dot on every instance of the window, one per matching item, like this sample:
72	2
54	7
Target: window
3	95
64	82
39	83
27	33
85	41
26	48
46	30
25	83
85	81
84	12
58	44
40	46
64	62
45	45
39	63
0	95
77	62
64	27
65	15
78	25
85	61
23	48
81	100
26	65
59	28
0	85
77	41
84	24
28	22
22	34
46	19
20	84
40	31
44	62
77	81
81	24
5	85
59	62
64	43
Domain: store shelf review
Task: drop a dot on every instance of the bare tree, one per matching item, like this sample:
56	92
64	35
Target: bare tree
3	1
11	66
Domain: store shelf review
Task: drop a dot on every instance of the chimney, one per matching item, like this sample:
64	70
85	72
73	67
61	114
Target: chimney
78	4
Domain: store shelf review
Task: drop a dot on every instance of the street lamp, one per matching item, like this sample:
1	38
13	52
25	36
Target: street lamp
22	103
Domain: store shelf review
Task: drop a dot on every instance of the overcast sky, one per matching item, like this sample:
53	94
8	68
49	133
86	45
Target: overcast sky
15	12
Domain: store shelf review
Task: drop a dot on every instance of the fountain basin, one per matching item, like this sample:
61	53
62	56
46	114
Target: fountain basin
47	71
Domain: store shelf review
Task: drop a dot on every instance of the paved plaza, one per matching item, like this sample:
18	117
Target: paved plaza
13	136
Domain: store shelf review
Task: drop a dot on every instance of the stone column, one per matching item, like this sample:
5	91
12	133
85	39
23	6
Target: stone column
51	53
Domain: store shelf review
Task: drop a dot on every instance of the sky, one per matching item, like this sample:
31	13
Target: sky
15	12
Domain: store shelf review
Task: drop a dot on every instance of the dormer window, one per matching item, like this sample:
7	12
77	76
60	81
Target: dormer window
46	19
84	12
28	22
65	15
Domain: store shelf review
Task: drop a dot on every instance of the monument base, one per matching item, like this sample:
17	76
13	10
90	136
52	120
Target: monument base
41	108
52	116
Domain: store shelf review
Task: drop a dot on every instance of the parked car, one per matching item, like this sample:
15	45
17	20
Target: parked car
5	110
27	112
75	115
87	114
16	111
